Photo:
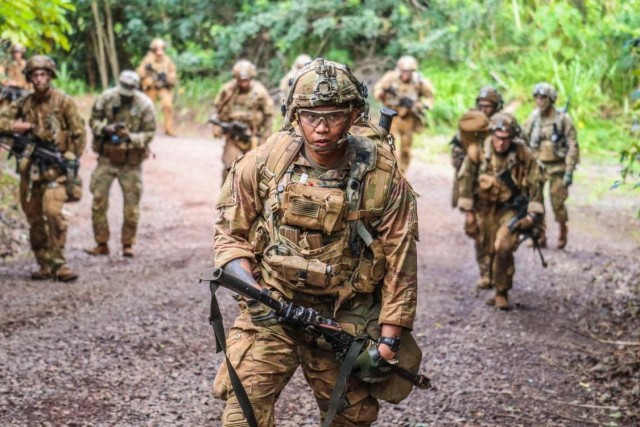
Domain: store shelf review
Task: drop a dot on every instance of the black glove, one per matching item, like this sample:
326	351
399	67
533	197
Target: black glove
261	315
371	367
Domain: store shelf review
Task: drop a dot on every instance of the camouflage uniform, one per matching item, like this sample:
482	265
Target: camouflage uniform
55	120
253	108
409	99
553	139
309	261
120	159
158	77
491	200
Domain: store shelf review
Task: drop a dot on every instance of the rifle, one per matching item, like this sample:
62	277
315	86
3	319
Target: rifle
520	205
159	79
44	154
11	93
302	317
234	128
559	139
401	101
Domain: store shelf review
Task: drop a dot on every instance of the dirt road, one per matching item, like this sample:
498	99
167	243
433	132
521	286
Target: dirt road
129	343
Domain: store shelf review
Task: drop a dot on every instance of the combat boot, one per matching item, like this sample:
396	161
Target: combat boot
500	301
127	251
484	283
562	238
101	249
65	274
43	273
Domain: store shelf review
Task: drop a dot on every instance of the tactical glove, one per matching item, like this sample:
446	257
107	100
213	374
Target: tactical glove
261	315
370	367
567	179
471	228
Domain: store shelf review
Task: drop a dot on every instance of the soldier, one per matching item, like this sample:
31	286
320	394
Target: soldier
494	181
554	141
52	117
123	124
355	261
158	74
247	102
14	70
409	93
301	61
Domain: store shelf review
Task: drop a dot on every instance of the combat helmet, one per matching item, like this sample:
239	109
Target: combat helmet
301	61
243	70
545	89
40	62
129	81
407	63
491	94
157	43
17	47
504	122
321	83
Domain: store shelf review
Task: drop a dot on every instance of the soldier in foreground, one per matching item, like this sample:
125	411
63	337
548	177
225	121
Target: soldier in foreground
123	124
409	93
158	77
324	219
495	184
301	61
554	141
242	104
48	119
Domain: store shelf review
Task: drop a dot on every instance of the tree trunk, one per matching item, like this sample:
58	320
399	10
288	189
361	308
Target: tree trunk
99	45
111	50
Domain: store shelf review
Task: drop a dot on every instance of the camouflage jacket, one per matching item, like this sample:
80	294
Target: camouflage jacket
557	156
138	117
253	108
264	218
55	119
150	79
393	91
480	185
14	74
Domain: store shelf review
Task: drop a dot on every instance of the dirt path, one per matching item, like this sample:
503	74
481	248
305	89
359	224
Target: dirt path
129	344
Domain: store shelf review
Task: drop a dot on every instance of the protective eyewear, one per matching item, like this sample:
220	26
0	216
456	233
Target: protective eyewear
503	138
331	118
539	95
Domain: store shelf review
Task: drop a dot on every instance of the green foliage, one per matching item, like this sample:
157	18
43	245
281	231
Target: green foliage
40	25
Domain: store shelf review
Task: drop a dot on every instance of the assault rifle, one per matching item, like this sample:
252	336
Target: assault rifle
11	93
302	317
558	138
234	128
44	154
520	205
401	101
159	79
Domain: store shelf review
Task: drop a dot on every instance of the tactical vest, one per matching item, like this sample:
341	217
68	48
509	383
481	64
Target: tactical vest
131	117
321	240
49	120
493	189
549	143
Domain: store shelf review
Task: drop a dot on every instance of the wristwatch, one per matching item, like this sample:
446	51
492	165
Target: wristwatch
392	342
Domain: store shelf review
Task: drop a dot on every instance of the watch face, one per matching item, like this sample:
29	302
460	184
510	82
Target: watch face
392	342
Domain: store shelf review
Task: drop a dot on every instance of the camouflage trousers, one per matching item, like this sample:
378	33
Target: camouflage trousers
403	129
233	149
265	359
42	203
558	194
166	102
495	246
130	179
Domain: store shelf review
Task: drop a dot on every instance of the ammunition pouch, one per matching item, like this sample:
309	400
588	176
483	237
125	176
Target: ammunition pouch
548	151
123	153
371	268
492	189
313	208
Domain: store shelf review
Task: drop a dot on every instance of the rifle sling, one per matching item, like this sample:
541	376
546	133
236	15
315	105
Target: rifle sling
215	320
338	401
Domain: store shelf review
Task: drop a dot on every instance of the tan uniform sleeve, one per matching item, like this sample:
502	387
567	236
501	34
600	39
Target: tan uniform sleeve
75	127
382	86
97	122
467	177
534	185
142	137
9	115
172	72
141	70
238	207
398	233
573	153
526	129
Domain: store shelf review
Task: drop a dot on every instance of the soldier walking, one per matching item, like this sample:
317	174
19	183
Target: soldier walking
494	182
51	117
14	69
158	77
554	141
247	102
123	124
295	222
409	93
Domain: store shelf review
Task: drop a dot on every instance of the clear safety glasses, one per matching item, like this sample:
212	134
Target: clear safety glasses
331	118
